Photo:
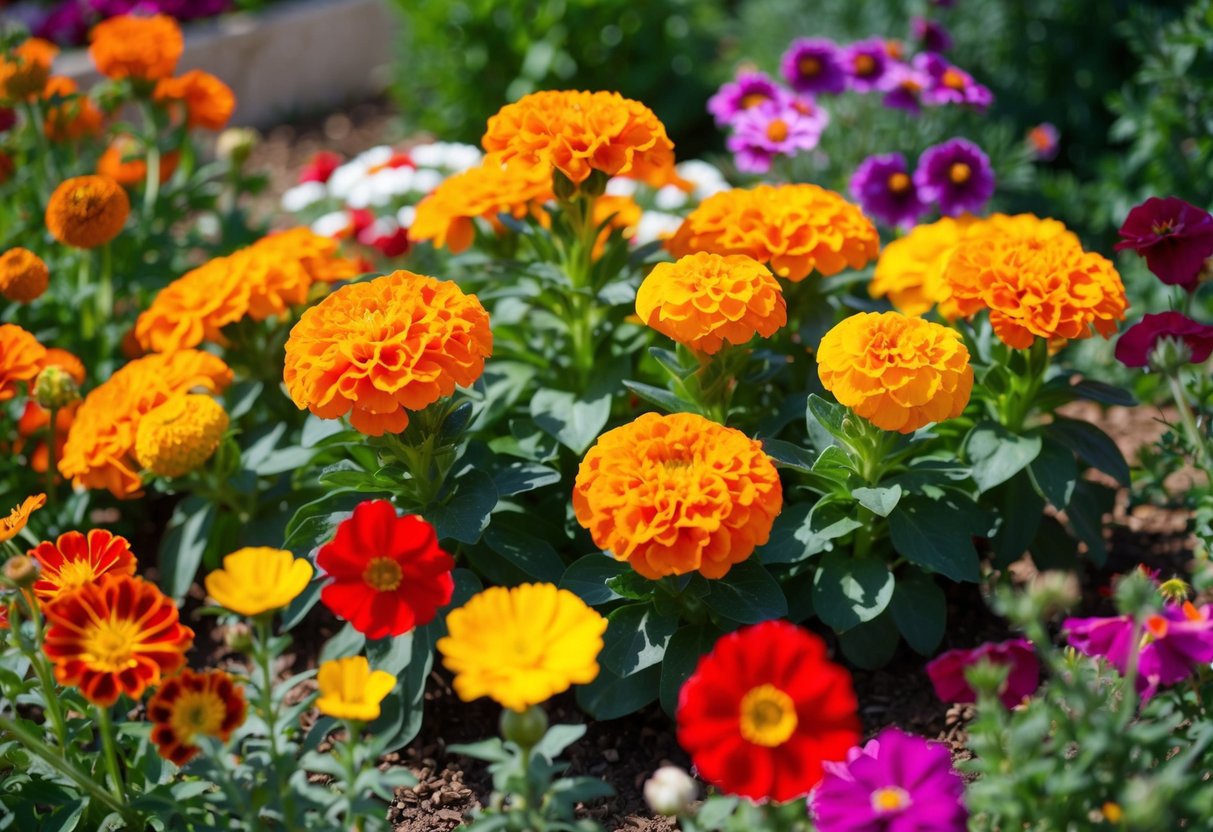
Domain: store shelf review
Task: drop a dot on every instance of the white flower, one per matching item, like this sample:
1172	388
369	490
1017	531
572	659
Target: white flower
706	178
655	225
449	155
406	215
619	186
670	791
426	180
346	178
670	198
331	224
303	195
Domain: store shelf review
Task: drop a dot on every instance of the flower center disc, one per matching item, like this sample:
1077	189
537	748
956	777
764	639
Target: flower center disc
899	183
890	799
777	130
752	100
382	574
953	80
768	716
109	645
197	713
959	173
75	574
864	65
809	66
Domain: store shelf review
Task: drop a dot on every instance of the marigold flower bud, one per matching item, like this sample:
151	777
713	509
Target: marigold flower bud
526	728
236	144
180	435
55	388
1053	592
670	791
21	570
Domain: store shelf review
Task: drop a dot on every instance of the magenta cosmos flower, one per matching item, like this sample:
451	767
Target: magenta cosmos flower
1175	641
949	84
814	66
896	783
956	175
947	671
931	36
1135	345
865	63
749	90
1174	236
775	129
904	86
885	190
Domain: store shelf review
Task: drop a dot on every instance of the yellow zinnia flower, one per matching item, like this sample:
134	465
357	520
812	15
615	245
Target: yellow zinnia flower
349	689
258	579
523	645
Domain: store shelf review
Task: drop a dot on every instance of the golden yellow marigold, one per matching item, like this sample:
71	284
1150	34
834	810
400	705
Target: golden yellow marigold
258	579
21	358
910	269
377	349
898	372
23	275
795	229
579	132
23	74
1036	281
87	211
263	280
179	435
208	102
706	299
146	48
100	447
349	689
678	493
446	216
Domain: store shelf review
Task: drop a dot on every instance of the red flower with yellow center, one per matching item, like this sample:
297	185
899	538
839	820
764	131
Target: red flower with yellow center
190	705
75	560
121	635
388	574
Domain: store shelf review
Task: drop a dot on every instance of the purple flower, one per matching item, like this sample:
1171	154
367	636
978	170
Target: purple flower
1135	345
66	24
1174	236
949	84
883	186
1043	140
947	671
865	63
749	90
896	783
1175	640
904	85
813	65
931	36
775	129
955	174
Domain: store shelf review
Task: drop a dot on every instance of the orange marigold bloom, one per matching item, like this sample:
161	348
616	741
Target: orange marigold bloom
145	48
118	635
12	525
74	560
706	299
621	212
377	349
70	119
100	448
21	358
579	132
23	74
124	161
190	705
263	280
794	229
898	372
34	421
1036	281
23	275
209	103
87	211
446	216
678	493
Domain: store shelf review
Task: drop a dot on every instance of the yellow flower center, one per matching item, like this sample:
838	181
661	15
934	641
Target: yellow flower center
1163	228
1112	812
890	799
864	65
777	130
109	645
382	574
752	100
953	79
74	574
899	183
809	66
197	712
768	716
960	173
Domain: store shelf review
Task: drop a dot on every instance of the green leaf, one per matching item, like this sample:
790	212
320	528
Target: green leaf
786	544
1090	503
789	455
465	514
1020	509
938	535
1053	547
871	644
848	591
347	642
557	739
661	398
636	638
575	422
879	501
1098	391
520	477
184	544
747	595
587	578
1054	473
65	818
315	522
996	454
315	430
531	554
1092	445
682	655
610	697
919	610
824	421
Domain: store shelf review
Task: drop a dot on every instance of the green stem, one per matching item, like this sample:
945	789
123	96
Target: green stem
45	678
88	324
54	758
106	729
353	731
1187	418
52	461
1016	404
105	284
269	713
151	188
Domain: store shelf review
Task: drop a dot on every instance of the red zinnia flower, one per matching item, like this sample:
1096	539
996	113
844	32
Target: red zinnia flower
190	704
388	573
1135	345
121	635
764	710
75	560
321	167
1174	236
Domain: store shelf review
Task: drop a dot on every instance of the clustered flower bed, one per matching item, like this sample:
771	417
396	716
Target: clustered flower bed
709	466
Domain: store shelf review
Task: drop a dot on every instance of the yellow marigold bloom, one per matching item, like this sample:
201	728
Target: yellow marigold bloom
23	275
706	299
87	211
12	525
898	372
522	645
99	452
23	74
794	229
1036	281
21	359
258	579
208	102
678	493
179	435
261	281
349	689
145	48
446	216
910	269
377	349
579	132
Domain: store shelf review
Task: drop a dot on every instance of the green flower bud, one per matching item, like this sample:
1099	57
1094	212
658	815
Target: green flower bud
55	388
562	186
235	144
21	570
595	184
525	728
1169	354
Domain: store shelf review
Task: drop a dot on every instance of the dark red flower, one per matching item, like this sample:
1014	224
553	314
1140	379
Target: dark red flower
764	710
8	117
321	167
1135	345
392	244
1174	236
388	574
947	671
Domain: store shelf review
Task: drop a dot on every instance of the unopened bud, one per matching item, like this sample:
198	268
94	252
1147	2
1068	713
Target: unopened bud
1169	354
525	728
562	186
236	143
55	388
238	638
1136	594
21	570
595	184
670	791
1054	592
